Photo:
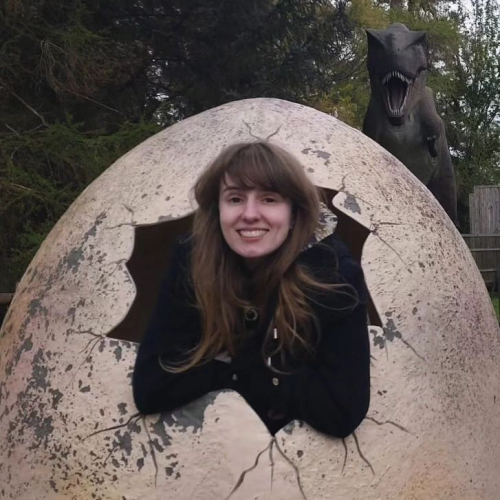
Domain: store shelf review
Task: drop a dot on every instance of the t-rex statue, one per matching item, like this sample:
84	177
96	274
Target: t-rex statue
402	116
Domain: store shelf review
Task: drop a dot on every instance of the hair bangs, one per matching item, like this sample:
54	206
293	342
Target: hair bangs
260	168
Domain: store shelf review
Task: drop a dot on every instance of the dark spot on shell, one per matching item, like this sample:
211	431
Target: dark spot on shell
391	332
118	352
352	204
165	218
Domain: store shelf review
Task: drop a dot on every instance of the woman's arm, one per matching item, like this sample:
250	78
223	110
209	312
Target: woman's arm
332	394
174	328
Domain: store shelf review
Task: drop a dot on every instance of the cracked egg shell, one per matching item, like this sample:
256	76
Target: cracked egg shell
68	424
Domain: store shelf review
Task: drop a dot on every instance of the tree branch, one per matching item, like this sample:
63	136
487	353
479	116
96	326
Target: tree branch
34	111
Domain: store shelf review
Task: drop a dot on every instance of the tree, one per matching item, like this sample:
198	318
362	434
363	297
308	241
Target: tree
62	77
83	81
464	55
348	98
471	100
208	52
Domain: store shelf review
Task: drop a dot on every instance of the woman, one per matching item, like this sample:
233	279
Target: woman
251	305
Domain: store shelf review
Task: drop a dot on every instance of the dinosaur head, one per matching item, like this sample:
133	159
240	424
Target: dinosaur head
397	64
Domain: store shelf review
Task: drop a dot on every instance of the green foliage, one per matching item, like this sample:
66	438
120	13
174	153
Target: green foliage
41	173
348	99
367	14
470	100
496	306
66	80
210	52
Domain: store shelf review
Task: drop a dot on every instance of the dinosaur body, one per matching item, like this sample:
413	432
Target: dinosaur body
402	116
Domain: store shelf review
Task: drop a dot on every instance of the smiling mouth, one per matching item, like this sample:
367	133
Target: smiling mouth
252	233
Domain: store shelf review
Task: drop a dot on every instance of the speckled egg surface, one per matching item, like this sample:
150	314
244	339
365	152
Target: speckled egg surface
68	425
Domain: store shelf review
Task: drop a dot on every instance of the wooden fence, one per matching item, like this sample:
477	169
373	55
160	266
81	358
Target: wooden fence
485	249
484	210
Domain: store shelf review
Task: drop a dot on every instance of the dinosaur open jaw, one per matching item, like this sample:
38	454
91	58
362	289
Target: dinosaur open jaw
397	89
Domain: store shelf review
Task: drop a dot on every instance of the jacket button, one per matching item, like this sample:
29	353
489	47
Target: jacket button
235	377
276	381
251	314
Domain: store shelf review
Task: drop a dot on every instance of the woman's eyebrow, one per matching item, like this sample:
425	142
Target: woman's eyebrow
231	188
236	188
272	192
249	188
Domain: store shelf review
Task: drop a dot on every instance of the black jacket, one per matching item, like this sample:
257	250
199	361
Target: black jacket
331	393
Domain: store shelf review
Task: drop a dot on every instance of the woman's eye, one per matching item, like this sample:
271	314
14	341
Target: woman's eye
234	199
273	198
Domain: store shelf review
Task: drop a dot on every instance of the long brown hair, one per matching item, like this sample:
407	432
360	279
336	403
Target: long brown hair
223	286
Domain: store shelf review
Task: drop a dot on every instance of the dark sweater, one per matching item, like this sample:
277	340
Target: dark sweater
331	392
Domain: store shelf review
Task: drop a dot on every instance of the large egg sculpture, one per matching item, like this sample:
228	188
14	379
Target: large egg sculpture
68	425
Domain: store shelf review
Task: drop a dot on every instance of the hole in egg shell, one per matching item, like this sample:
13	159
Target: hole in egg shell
148	264
151	257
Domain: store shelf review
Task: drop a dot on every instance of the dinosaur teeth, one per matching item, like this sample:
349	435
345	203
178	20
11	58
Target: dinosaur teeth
396	74
397	88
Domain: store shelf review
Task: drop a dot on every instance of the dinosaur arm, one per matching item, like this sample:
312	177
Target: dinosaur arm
432	124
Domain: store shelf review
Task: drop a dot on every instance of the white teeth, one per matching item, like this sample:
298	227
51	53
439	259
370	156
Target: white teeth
396	74
253	233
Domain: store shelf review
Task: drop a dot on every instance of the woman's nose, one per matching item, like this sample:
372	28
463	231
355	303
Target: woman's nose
251	210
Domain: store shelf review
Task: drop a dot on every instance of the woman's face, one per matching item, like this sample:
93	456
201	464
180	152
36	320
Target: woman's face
254	222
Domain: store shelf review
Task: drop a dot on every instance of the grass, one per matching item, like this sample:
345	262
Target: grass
496	306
